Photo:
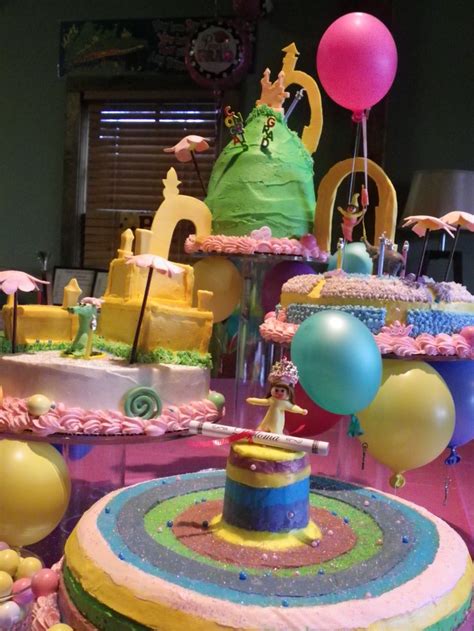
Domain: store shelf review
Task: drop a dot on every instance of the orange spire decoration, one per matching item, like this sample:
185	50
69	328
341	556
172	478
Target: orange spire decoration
273	94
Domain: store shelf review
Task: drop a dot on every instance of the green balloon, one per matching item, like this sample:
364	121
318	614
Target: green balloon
339	363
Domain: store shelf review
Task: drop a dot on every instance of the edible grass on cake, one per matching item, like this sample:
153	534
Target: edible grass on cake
117	349
35	347
156	356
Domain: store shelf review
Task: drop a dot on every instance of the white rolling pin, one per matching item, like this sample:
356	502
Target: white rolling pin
282	441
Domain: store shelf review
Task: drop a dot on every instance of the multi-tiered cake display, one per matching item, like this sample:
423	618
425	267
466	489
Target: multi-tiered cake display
263	545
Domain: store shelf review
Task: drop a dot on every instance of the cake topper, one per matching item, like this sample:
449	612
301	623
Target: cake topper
351	216
185	151
11	282
81	347
235	123
273	94
280	398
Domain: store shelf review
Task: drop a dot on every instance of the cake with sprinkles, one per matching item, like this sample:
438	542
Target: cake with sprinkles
407	316
262	545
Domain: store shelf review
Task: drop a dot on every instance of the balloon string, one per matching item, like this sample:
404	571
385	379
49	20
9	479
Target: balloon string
364	149
354	156
447	482
354	427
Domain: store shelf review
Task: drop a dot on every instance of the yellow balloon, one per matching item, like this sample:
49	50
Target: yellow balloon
411	419
220	276
34	491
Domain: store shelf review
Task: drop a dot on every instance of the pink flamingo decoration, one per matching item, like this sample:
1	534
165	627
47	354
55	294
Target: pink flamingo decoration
12	281
185	151
162	266
422	225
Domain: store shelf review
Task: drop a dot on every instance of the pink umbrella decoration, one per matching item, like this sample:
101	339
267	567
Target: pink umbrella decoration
460	220
12	281
185	151
422	225
162	266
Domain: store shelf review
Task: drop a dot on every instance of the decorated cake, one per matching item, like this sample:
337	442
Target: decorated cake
251	186
262	545
261	191
406	316
115	365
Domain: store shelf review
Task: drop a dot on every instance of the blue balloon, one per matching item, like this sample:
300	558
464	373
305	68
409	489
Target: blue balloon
338	361
76	452
459	377
356	259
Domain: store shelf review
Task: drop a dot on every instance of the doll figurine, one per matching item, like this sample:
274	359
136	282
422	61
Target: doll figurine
283	378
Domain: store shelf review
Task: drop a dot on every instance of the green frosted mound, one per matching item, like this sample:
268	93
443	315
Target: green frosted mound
255	188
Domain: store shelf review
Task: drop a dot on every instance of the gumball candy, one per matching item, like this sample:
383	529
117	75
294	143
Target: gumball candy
217	398
10	614
38	404
44	582
6	584
60	627
21	591
27	567
9	560
4	546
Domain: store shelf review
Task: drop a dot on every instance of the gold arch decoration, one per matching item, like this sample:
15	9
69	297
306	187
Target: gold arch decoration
172	210
385	212
312	132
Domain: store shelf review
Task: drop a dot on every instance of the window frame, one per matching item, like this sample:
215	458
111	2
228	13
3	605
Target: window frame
79	91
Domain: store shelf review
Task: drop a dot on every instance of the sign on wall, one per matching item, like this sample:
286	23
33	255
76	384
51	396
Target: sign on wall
117	47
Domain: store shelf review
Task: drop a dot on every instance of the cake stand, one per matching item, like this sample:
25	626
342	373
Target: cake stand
254	356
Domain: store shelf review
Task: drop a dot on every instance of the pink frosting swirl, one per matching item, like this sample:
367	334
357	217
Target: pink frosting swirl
14	418
427	344
277	330
190	245
463	348
259	241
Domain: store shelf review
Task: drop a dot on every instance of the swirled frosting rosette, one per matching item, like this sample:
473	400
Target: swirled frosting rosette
258	242
15	418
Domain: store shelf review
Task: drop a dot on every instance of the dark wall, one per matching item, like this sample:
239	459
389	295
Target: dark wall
428	112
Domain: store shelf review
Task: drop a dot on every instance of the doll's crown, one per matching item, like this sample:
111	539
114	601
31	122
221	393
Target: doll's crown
284	371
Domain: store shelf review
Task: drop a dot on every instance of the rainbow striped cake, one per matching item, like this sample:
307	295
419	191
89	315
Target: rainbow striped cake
262	546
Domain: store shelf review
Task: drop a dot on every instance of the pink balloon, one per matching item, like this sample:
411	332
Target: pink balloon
357	61
315	422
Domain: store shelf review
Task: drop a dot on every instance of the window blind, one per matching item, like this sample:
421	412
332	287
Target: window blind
125	164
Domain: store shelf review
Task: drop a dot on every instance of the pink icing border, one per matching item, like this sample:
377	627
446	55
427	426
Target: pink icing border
258	242
15	418
392	340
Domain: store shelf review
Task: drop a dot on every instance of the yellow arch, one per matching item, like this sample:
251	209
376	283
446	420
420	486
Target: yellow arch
312	132
173	209
385	212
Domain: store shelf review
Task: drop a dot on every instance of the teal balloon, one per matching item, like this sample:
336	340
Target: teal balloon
356	259
339	363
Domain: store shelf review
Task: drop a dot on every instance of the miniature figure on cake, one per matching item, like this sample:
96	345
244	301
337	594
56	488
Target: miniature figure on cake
81	347
351	217
281	398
